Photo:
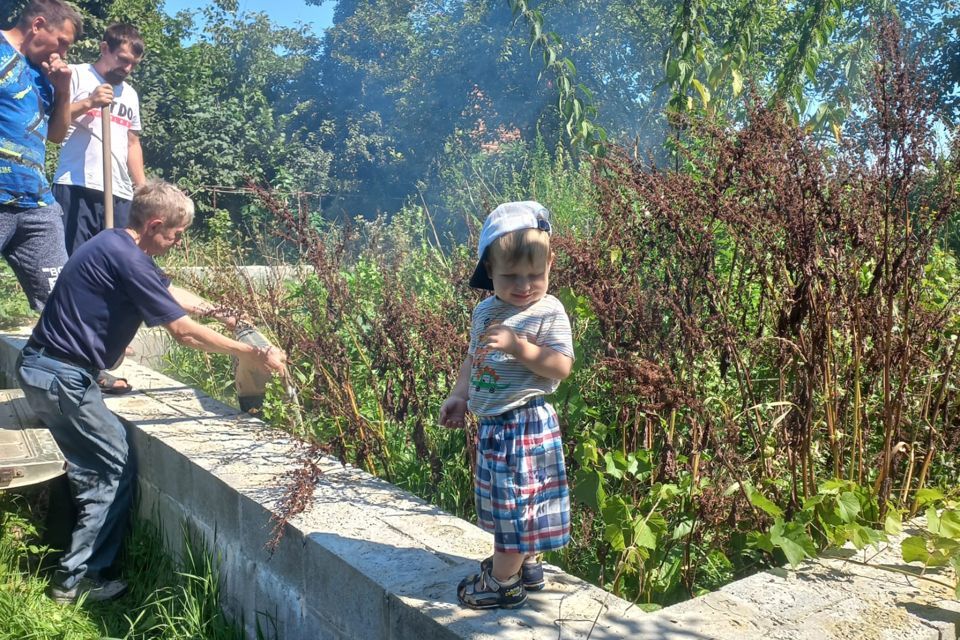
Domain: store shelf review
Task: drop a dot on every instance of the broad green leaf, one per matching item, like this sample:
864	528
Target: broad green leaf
955	563
949	546
950	524
682	529
834	485
588	488
758	500
761	541
737	82
617	510
794	552
927	495
668	491
657	522
914	549
616	515
643	535
586	453
941	551
813	501
933	519
793	540
612	468
861	536
613	535
893	523
633	465
848	506
620	459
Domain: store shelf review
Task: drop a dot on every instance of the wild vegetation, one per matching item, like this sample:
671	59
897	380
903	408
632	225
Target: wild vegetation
766	339
14	309
165	602
755	206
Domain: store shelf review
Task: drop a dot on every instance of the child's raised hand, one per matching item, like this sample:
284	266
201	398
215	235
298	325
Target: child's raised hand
453	412
502	338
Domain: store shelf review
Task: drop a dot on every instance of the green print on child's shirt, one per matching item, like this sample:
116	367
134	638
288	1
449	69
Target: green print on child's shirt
487	378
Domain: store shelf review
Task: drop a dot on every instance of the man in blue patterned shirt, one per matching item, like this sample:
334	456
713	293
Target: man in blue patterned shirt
34	108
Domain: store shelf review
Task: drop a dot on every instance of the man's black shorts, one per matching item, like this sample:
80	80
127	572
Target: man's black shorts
83	213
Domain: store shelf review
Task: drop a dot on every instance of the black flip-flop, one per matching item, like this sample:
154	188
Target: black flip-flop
108	384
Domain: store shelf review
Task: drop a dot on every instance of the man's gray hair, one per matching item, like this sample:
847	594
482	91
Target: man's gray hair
156	199
55	12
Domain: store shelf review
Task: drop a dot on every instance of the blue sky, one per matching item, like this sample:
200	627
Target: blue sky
282	12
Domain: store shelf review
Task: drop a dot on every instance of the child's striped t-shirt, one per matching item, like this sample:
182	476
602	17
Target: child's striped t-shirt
498	381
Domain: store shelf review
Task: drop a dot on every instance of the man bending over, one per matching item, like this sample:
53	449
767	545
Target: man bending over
107	288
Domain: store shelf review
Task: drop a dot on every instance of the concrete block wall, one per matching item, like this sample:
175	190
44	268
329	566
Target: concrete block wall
368	561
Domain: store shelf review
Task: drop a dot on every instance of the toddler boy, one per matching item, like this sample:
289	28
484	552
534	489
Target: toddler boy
520	349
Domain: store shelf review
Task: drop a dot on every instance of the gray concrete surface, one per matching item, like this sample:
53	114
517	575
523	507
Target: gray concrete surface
368	561
256	276
28	453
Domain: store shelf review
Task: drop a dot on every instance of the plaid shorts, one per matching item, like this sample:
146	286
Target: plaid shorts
521	482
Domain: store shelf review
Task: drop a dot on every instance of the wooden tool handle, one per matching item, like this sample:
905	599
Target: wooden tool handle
106	121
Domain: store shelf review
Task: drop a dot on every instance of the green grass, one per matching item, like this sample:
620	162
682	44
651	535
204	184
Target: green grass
14	310
165	601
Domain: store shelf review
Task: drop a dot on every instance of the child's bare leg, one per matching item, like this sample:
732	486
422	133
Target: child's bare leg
506	565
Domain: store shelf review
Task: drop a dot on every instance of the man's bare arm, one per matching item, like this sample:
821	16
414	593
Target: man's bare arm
190	333
135	159
201	307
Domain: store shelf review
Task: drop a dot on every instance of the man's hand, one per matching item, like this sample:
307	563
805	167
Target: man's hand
101	96
273	360
453	412
502	338
58	72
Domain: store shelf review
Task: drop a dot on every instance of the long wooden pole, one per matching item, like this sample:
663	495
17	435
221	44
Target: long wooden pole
106	121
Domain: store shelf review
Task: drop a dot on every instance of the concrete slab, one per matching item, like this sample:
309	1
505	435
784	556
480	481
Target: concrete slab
28	453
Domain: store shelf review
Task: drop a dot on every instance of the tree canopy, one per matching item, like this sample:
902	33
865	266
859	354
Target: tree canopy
366	112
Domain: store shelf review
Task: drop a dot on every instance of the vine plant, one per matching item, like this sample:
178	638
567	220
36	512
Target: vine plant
939	544
575	100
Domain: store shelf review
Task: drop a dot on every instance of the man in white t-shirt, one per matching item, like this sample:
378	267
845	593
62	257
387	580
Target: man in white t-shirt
78	181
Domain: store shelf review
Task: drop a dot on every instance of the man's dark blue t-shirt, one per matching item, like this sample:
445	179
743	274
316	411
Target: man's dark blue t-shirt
106	289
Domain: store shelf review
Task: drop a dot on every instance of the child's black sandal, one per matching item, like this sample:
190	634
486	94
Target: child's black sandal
479	592
531	573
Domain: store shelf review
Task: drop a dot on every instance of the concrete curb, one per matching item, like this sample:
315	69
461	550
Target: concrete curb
369	561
